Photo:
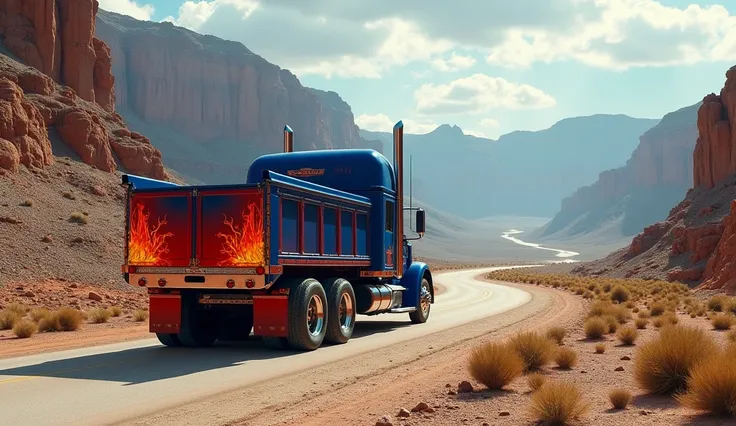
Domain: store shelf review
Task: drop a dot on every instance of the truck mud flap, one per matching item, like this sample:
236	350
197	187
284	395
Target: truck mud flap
271	316
165	313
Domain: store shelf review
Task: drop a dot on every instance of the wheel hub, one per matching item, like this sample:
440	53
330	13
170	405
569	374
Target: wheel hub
315	315
425	300
346	311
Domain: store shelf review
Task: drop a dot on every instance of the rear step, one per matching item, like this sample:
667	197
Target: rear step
226	299
403	310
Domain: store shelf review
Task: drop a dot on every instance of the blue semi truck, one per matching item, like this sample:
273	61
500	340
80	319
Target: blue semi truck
310	240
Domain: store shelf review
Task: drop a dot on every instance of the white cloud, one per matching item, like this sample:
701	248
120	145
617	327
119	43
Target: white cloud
382	123
128	7
479	93
454	63
357	38
489	123
476	134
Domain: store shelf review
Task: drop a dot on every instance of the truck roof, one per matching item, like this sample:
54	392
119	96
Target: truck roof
344	169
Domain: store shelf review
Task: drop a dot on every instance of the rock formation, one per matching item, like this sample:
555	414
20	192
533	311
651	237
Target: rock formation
697	241
209	89
56	37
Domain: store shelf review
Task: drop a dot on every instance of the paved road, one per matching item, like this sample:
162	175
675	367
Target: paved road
116	382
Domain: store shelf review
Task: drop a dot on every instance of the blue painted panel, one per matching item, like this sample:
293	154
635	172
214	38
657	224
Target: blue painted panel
343	169
140	182
310	187
346	233
289	226
311	228
412	281
330	227
362	234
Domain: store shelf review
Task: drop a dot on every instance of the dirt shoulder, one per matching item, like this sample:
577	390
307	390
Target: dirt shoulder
399	375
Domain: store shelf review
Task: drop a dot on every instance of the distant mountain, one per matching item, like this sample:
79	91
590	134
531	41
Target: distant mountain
523	173
626	199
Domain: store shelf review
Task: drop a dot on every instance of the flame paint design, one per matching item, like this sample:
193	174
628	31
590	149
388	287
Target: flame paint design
243	244
147	243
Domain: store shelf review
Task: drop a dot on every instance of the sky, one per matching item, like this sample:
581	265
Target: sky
487	66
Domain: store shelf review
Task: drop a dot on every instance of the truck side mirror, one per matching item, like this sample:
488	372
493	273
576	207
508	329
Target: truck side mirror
420	222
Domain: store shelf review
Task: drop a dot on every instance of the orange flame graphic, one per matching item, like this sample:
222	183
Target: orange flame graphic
244	244
146	245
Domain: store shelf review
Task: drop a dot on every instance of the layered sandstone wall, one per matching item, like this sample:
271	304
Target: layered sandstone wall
55	39
211	89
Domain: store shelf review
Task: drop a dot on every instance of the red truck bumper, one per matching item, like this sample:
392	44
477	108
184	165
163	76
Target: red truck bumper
165	313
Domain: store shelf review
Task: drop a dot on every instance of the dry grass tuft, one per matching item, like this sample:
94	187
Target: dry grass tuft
557	334
627	335
535	381
116	311
534	349
595	327
65	319
557	402
620	294
495	365
722	321
657	309
140	315
79	217
566	358
40	313
641	323
24	329
662	365
8	319
100	315
717	303
619	398
711	386
600	348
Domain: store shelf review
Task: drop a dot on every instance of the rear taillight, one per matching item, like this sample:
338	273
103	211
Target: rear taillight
230	283
250	283
131	269
161	282
260	270
142	281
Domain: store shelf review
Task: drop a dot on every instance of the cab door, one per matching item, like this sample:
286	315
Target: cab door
389	234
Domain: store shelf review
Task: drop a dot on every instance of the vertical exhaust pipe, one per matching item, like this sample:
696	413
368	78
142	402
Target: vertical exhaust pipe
399	170
288	139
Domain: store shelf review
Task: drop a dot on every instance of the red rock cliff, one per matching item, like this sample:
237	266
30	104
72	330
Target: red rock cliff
56	37
211	89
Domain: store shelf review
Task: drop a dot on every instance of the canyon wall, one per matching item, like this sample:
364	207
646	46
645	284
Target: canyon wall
63	80
211	90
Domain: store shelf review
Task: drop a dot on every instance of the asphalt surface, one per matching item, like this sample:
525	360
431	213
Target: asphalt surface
112	383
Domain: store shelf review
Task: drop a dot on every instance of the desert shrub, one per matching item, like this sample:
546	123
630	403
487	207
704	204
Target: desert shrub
717	303
658	322
24	329
557	402
65	319
657	309
495	365
620	294
140	315
40	313
595	327
557	334
79	217
535	380
670	318
116	311
534	349
18	308
619	398
8	319
641	323
630	305
662	365
600	348
722	321
611	322
711	386
627	335
644	314
100	315
566	358
27	203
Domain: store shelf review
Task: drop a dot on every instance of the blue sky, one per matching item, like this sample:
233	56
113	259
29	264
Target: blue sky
489	66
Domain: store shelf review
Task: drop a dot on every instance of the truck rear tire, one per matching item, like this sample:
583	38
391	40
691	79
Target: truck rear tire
421	315
168	339
340	310
307	315
198	327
